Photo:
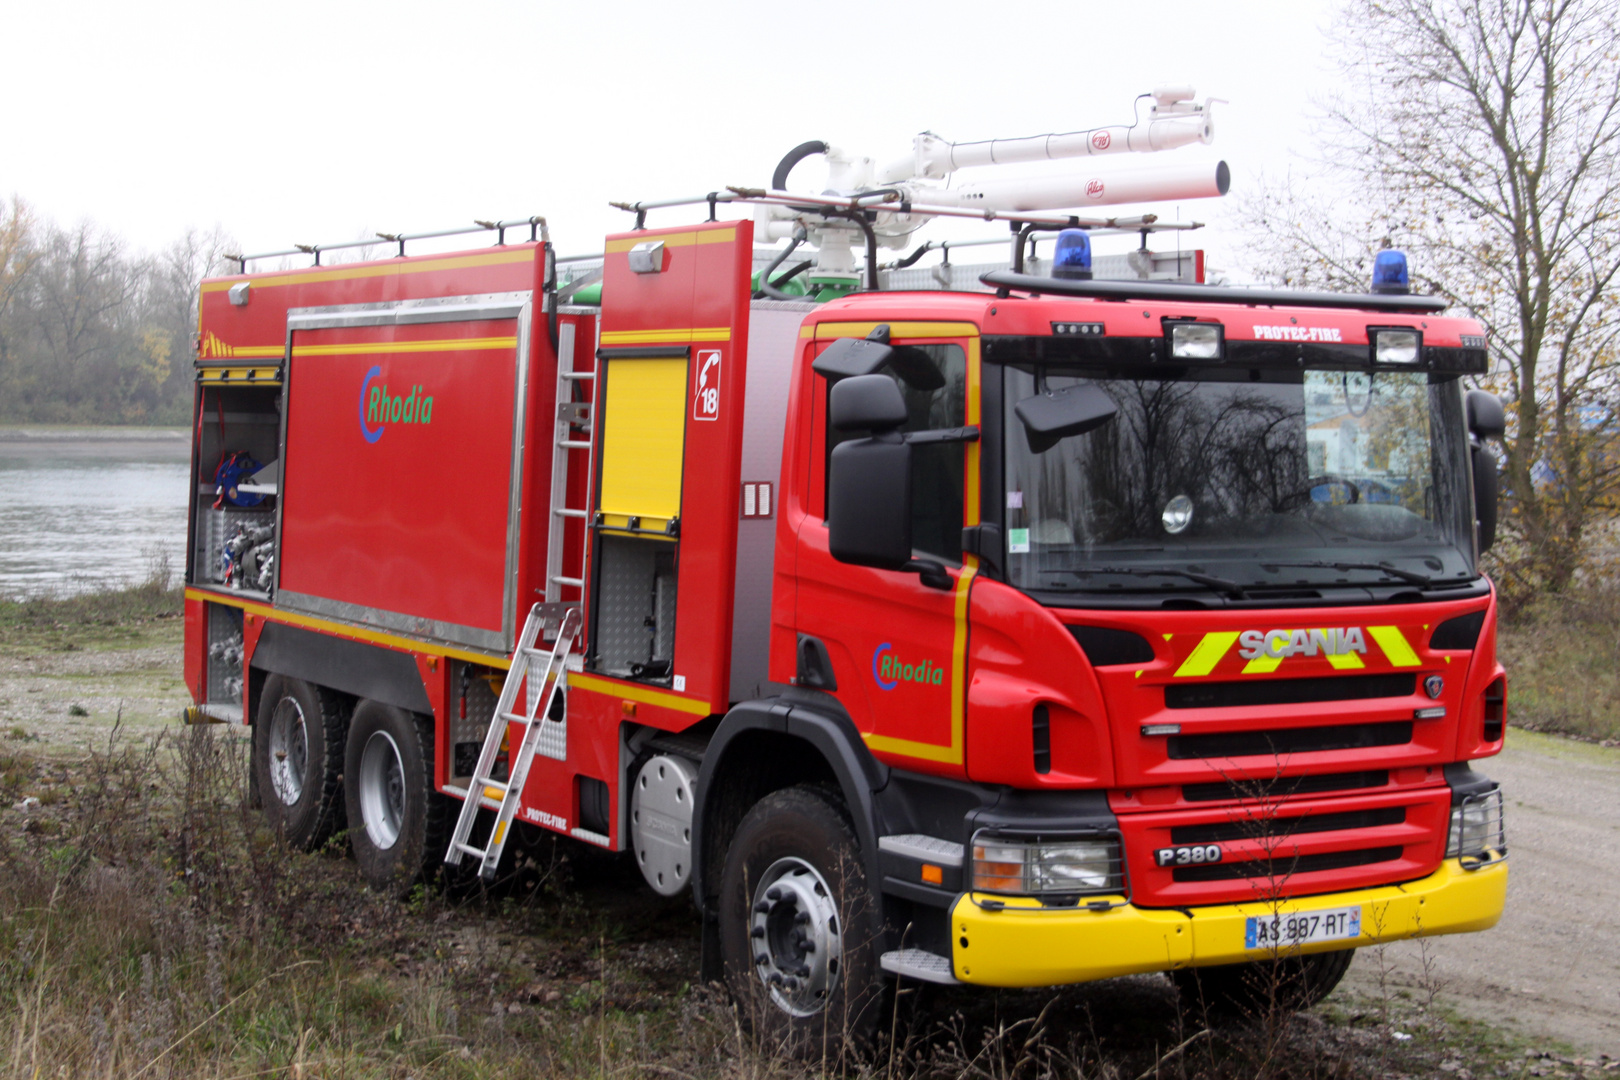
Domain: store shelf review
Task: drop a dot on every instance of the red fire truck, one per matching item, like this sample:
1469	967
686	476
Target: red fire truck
1039	631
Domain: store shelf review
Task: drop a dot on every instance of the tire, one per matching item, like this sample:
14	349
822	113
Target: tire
298	740
1248	991
398	823
793	875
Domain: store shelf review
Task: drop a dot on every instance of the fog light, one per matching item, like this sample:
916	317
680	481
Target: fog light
1476	827
1196	340
1035	868
1396	346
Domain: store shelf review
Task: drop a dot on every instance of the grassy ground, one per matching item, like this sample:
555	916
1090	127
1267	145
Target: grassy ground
149	926
1563	662
122	618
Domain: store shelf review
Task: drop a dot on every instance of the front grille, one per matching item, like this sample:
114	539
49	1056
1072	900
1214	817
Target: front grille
1288	740
1287	866
1220	695
1258	828
1280	787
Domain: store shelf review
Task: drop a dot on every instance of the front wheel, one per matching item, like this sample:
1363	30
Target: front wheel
799	928
398	822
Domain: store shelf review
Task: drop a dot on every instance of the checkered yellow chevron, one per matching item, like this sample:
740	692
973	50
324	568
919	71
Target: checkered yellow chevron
1213	647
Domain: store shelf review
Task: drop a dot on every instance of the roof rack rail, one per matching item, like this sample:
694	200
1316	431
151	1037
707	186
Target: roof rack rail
536	225
1005	281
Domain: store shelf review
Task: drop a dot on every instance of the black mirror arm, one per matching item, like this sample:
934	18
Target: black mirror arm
985	542
932	574
944	435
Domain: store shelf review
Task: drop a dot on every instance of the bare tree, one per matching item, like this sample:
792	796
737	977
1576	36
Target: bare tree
18	253
1482	136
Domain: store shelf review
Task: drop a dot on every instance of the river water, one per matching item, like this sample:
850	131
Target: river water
81	511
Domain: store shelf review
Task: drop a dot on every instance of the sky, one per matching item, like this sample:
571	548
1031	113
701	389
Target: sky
317	122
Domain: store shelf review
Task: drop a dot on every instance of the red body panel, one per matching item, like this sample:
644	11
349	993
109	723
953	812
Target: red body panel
389	515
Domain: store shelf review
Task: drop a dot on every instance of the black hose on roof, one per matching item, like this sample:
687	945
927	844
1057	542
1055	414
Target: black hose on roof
779	178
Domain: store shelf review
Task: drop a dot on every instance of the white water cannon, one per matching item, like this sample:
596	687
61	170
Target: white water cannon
897	199
1174	120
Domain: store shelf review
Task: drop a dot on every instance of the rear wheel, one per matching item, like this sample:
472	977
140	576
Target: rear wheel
1251	990
298	739
398	823
798	928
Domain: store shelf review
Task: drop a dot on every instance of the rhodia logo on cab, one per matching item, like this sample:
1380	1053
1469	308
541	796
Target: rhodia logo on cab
890	671
1280	644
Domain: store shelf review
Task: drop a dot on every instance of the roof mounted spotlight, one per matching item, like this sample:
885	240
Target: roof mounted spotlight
1395	344
1389	272
1191	340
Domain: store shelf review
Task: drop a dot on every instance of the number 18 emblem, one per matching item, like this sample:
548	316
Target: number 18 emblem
706	392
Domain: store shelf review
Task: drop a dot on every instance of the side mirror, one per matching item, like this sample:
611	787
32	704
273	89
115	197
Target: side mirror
866	403
849	358
1056	414
1485	416
1484	463
869	501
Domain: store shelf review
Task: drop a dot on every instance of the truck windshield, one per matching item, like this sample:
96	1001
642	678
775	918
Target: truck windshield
1242	479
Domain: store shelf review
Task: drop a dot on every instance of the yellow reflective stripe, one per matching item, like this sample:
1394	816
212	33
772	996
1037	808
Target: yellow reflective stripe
668	334
391	269
368	348
970	506
645	695
1394	644
260	376
1207	654
828	330
1345	661
1260	665
684	239
310	622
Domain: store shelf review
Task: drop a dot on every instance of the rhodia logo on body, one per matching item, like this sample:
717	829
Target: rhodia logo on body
891	671
1278	644
378	407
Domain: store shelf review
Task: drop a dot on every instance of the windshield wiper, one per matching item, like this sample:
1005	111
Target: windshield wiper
1411	576
1232	588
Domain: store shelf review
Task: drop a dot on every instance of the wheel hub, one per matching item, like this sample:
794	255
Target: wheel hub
794	935
289	751
382	790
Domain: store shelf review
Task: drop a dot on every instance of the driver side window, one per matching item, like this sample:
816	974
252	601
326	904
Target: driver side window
936	468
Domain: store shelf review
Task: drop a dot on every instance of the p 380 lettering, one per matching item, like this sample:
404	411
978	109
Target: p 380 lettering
1193	855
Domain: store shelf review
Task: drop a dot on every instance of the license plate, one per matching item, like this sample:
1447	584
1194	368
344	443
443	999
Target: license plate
1287	929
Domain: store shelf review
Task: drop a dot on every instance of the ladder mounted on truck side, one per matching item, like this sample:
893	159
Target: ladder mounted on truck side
539	671
570	413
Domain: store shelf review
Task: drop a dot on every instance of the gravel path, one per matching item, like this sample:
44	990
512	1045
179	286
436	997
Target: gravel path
1551	967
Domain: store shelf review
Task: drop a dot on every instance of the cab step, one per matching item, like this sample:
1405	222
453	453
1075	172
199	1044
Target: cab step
921	965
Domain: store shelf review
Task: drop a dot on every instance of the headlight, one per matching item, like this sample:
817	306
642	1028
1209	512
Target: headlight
1034	868
1196	340
1396	346
1476	827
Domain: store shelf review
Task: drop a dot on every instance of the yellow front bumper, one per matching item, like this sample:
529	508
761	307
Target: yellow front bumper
1023	944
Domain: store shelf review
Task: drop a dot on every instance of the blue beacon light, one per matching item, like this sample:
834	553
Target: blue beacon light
1072	258
1389	272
